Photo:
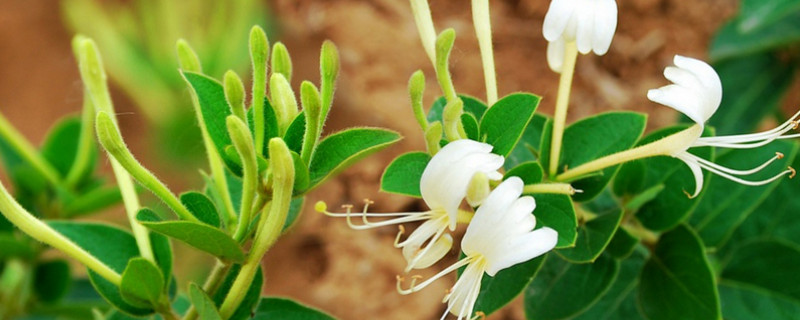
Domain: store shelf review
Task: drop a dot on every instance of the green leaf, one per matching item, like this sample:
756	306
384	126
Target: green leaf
214	107
622	244
745	302
162	252
112	246
671	206
201	207
142	283
295	208
339	150
677	282
619	301
507	284
51	280
755	14
726	203
14	247
95	200
766	265
203	304
593	237
198	235
528	147
556	211
529	172
294	134
562	290
731	41
251	298
472	105
595	137
747	100
470	124
60	146
281	308
503	124
403	175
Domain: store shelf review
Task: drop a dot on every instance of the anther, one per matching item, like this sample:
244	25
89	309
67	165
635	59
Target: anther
688	195
793	172
479	315
401	230
779	155
795	124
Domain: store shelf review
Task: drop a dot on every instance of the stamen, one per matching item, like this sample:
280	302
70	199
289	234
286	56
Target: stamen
704	162
751	140
417	287
793	173
746	182
400	232
479	315
399	217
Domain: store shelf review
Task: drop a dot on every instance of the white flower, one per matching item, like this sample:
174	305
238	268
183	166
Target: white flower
697	92
443	185
589	23
499	236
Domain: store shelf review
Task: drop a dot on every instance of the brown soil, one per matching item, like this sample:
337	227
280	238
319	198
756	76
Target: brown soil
322	262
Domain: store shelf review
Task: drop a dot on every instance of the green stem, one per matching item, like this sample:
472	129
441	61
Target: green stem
28	152
82	161
111	139
562	104
269	226
667	146
444	43
39	230
483	29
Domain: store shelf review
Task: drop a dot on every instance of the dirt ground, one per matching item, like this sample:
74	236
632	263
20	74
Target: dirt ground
322	262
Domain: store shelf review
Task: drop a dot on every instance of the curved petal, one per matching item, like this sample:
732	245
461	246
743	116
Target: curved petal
605	25
436	252
520	249
697	171
556	19
681	99
487	220
707	76
584	19
555	54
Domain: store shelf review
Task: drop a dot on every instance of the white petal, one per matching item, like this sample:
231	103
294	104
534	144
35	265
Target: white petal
521	248
433	254
484	225
556	19
462	297
555	54
423	233
697	171
605	24
679	98
585	28
706	75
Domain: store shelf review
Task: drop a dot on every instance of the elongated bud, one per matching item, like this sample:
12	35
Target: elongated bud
93	74
187	58
453	128
433	137
242	140
110	138
444	44
283	100
234	93
329	71
478	189
281	62
416	87
312	107
77	40
245	147
281	163
259	53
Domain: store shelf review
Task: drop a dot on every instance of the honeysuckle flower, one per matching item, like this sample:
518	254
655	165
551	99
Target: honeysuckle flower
444	185
589	23
500	235
696	91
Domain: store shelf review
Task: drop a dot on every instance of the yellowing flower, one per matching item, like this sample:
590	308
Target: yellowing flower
443	186
696	91
499	236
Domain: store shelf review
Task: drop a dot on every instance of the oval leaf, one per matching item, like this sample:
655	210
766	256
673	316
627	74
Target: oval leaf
142	283
403	175
203	304
280	308
201	207
503	124
198	235
593	237
677	282
339	150
556	211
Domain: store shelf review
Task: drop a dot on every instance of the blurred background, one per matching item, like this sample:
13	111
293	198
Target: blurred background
323	263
